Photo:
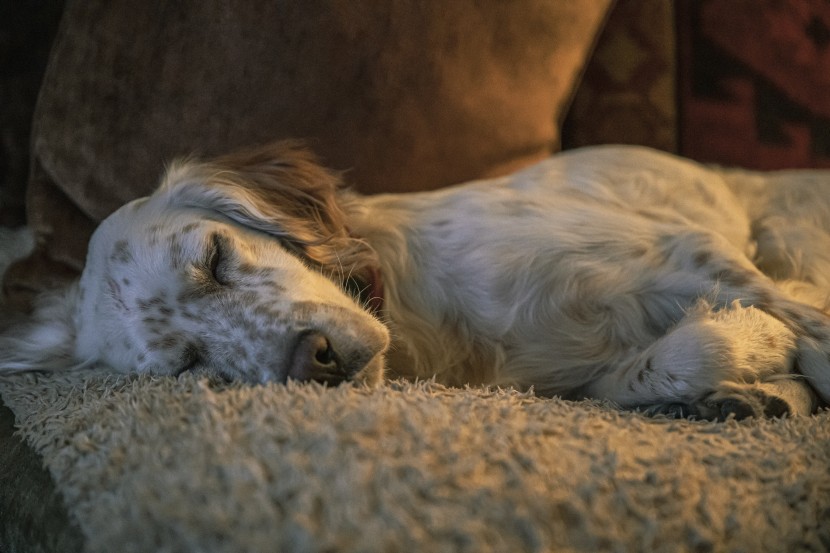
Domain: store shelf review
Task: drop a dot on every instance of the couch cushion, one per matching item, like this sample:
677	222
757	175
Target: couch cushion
403	95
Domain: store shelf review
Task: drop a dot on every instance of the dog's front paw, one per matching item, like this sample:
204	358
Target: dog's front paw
731	344
813	362
777	398
785	397
811	327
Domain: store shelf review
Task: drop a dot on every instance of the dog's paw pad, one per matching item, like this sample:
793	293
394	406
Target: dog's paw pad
764	399
737	407
776	407
671	410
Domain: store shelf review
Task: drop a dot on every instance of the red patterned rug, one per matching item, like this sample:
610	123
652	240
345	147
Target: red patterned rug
754	82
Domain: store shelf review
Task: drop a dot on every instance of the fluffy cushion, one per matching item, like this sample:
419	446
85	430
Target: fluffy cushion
403	95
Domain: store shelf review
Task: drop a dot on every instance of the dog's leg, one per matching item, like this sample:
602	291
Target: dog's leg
732	353
712	364
812	329
793	250
733	279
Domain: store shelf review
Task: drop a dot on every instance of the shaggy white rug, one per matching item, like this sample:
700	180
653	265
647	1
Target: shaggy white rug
164	464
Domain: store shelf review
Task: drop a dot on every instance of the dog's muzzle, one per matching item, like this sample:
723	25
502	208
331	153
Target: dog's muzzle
327	360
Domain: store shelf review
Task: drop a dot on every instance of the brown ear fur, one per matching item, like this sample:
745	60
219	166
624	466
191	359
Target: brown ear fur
280	189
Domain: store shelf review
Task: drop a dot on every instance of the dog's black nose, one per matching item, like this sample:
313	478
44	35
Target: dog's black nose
315	358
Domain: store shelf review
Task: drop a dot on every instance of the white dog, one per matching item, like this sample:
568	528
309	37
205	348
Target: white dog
613	272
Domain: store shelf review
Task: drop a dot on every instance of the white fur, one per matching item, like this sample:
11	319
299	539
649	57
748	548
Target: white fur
611	272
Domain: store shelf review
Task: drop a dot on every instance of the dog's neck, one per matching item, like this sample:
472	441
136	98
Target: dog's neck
417	295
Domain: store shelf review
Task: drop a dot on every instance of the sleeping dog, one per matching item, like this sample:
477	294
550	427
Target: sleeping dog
611	272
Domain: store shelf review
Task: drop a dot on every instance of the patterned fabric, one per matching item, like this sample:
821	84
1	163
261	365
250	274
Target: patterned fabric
754	82
628	91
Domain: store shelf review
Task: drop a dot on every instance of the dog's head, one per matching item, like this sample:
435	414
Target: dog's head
234	267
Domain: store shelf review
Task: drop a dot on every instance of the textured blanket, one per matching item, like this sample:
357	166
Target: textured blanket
165	464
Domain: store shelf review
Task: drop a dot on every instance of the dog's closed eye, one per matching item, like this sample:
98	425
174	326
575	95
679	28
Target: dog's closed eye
217	259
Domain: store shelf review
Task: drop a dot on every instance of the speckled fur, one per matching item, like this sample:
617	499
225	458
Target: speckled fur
615	272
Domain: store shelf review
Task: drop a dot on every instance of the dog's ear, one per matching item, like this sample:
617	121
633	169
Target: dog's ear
46	340
279	189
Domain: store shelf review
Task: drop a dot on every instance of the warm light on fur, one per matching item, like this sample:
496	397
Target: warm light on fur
613	272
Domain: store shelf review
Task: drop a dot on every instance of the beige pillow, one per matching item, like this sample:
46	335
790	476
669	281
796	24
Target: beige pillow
403	95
